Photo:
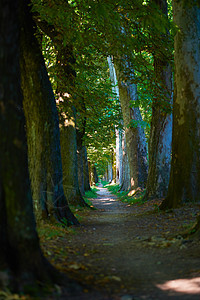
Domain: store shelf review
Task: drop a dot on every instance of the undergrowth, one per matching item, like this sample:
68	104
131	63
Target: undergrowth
91	194
125	196
48	231
104	183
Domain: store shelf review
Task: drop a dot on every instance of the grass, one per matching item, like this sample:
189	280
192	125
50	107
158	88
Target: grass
125	196
49	231
104	183
92	193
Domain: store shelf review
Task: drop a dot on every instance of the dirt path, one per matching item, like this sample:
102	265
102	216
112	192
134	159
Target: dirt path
127	252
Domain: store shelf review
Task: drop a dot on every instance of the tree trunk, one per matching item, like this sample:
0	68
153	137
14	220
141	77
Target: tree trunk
96	179
67	74
80	157
185	168
119	156
69	158
80	132
93	174
43	135
125	168
161	129
20	253
136	153
110	171
119	151
86	170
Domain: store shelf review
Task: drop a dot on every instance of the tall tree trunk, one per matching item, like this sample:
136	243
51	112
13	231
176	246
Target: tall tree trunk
185	168
65	86
66	71
20	252
125	168
110	171
119	156
93	174
80	132
42	130
69	158
136	152
96	179
80	156
119	151
86	170
161	129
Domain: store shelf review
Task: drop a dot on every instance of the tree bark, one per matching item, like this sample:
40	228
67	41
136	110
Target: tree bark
86	170
185	168
136	151
66	75
110	171
161	129
80	156
119	156
118	132
125	167
69	158
20	253
43	135
80	132
93	174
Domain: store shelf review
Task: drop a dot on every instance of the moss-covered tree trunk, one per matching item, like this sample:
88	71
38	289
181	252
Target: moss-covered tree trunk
161	127
42	125
69	158
185	168
65	86
66	74
20	254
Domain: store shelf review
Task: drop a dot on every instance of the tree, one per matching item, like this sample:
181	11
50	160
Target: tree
69	157
125	167
20	255
134	134
118	131
185	170
85	170
42	124
161	122
67	112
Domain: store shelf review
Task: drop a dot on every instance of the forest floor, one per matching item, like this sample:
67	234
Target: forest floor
129	252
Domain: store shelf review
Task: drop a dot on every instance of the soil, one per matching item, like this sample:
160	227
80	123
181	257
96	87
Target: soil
126	252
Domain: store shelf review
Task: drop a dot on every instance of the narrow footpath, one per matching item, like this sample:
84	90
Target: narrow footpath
132	252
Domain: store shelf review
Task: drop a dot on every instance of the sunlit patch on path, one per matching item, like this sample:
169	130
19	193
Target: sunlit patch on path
187	286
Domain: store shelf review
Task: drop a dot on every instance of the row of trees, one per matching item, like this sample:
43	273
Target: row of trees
43	142
160	182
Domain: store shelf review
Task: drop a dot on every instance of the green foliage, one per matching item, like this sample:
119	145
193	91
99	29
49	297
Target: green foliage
91	194
93	30
104	183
